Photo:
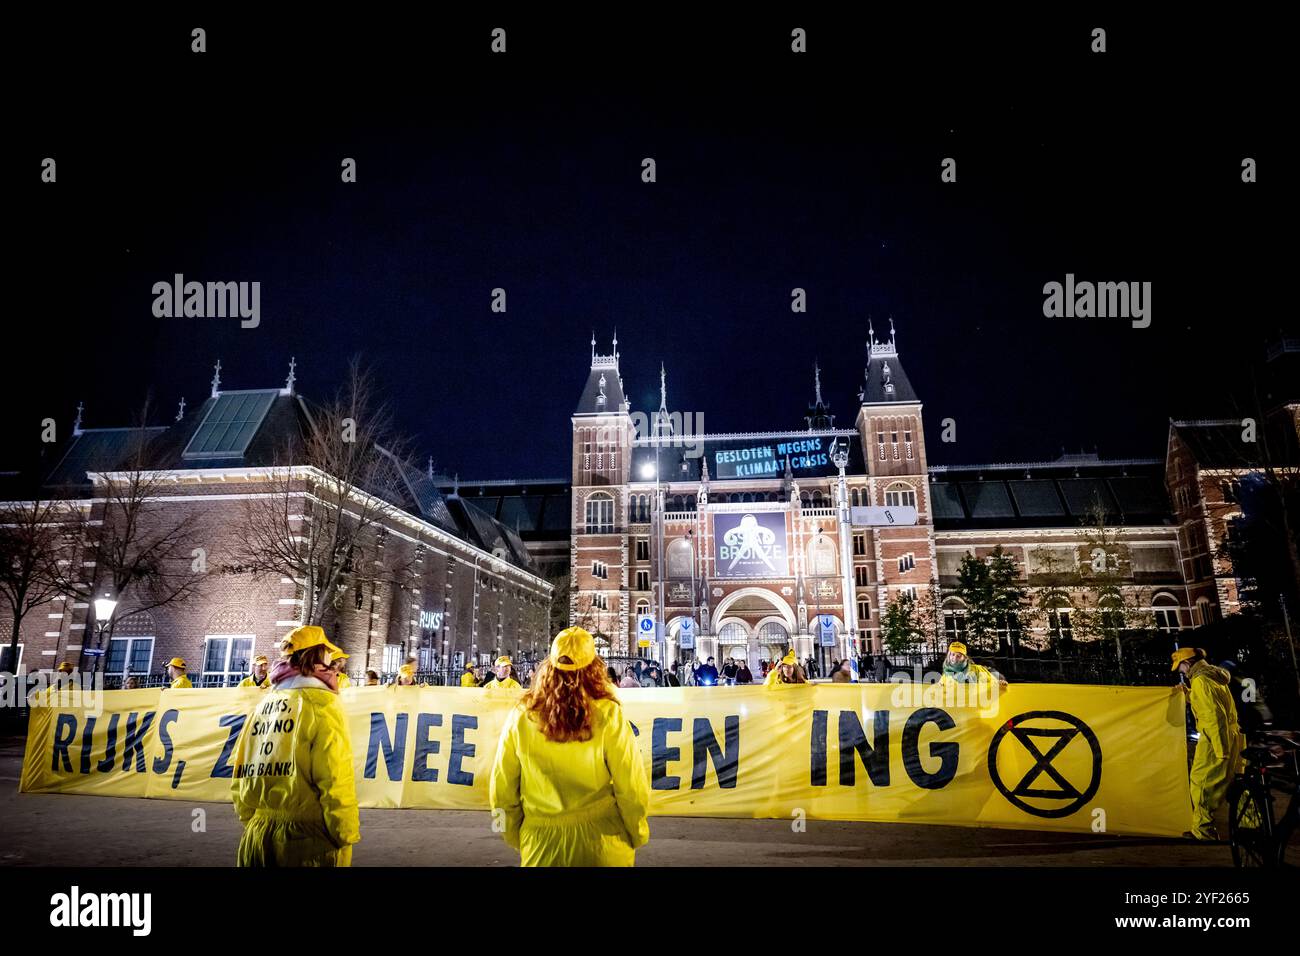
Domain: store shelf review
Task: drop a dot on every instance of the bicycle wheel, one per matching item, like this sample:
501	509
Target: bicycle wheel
1250	825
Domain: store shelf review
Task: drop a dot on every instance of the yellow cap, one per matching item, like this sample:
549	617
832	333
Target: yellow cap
177	662
341	655
407	670
309	635
575	644
789	658
504	660
66	667
260	659
1182	654
957	646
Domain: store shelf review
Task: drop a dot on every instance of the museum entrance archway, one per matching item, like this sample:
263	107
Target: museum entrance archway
756	625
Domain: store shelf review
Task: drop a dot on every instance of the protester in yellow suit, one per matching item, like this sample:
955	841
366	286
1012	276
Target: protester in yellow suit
1219	742
504	675
468	679
406	675
787	671
958	668
568	775
176	671
261	674
294	788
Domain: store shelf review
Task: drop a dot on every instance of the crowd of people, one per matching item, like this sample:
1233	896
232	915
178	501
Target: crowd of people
568	776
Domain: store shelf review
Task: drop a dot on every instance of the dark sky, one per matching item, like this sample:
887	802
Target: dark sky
774	171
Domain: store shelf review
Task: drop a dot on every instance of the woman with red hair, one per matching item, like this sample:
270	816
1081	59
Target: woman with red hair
568	775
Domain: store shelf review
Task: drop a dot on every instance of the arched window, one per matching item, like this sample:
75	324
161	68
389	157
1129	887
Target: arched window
1165	609
679	559
821	556
774	634
954	620
642	607
853	497
900	494
130	652
1059	627
600	514
817	499
228	647
733	632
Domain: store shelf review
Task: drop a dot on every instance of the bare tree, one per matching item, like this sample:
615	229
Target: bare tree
323	524
39	547
146	555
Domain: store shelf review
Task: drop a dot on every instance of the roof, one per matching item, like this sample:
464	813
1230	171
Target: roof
603	393
1049	495
1217	443
886	382
96	450
263	428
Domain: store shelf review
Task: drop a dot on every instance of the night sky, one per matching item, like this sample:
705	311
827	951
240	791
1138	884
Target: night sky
774	171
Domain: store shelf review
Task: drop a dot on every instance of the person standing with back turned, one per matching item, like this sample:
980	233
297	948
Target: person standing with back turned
568	775
294	788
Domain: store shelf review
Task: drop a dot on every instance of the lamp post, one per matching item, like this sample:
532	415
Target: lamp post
104	608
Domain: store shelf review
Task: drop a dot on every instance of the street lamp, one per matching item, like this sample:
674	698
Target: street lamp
104	608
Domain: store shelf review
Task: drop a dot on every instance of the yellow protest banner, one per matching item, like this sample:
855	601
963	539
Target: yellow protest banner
1040	756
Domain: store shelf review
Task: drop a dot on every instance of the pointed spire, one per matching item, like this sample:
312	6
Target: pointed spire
871	332
593	345
180	412
704	469
216	380
663	389
891	332
76	425
288	382
430	468
817	379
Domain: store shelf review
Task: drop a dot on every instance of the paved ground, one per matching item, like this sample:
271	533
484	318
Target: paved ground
69	830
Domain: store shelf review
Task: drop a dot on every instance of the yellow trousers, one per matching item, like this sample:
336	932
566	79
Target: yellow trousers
277	842
1210	778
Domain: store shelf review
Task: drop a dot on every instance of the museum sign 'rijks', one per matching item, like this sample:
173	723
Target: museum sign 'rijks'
746	544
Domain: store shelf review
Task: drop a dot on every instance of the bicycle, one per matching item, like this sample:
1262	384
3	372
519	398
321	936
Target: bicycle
1258	836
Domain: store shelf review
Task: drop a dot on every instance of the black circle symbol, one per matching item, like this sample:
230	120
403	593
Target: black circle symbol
1043	762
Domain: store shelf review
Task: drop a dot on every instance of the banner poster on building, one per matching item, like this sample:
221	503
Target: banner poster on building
1041	756
750	545
808	456
686	634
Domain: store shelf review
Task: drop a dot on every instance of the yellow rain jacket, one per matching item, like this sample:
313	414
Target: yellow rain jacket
298	803
182	681
1219	745
578	803
467	680
508	683
976	674
251	681
344	680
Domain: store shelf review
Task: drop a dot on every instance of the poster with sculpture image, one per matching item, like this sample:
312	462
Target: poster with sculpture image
750	545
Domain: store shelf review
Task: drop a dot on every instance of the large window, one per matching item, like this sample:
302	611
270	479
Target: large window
129	656
227	659
600	514
643	580
900	495
1059	626
7	664
954	622
393	658
679	559
643	549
